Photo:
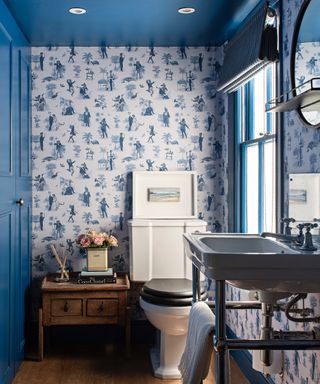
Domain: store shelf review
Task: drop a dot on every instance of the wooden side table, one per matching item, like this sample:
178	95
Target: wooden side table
71	303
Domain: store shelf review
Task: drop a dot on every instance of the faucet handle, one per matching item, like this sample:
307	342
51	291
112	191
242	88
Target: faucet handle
307	226
311	226
286	221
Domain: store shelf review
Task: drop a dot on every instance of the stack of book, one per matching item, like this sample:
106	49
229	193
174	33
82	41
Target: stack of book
97	277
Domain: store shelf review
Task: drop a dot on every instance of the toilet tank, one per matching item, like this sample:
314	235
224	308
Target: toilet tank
156	248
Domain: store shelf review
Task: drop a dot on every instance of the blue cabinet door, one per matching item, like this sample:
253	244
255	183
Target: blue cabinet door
7	210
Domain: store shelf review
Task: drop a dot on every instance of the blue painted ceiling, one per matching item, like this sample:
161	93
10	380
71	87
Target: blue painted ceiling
129	22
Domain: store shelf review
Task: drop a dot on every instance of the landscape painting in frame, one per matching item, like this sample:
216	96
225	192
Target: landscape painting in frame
297	195
164	195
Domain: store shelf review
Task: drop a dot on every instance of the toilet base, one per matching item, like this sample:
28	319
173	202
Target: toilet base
159	371
165	357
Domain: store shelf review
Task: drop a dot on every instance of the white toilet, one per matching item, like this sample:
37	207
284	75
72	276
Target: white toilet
169	314
157	257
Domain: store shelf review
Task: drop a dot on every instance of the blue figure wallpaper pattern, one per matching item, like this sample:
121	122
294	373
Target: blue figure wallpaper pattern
101	113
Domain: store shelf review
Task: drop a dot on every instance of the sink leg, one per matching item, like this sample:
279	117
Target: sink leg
220	334
196	291
266	332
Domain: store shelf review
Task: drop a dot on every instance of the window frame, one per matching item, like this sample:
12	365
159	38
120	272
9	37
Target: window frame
244	138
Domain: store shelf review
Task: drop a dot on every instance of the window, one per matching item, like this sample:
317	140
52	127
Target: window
255	154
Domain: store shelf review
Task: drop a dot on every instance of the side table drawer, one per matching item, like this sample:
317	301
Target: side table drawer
102	307
66	307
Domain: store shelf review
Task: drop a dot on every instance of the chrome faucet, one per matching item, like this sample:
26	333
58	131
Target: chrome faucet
286	221
308	244
287	236
281	237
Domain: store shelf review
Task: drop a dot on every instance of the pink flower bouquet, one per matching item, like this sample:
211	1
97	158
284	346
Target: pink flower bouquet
93	239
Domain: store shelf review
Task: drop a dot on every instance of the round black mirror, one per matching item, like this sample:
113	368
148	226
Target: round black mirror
305	60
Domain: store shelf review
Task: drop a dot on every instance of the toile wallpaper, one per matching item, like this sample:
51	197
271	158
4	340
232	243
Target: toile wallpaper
100	113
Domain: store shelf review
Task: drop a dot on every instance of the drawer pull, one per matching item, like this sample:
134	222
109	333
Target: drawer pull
100	308
66	307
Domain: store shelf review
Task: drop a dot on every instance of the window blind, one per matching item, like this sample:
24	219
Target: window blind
253	47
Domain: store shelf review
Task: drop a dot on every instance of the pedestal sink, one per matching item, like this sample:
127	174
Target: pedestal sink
254	263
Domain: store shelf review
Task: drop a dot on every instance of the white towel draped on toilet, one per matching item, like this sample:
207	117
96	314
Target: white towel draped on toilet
195	361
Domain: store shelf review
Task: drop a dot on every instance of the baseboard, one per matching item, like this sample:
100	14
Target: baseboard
244	361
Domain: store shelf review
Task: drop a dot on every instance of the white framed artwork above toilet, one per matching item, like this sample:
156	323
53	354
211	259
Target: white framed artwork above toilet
164	195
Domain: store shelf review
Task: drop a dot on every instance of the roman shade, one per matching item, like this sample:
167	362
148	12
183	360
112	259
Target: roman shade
252	48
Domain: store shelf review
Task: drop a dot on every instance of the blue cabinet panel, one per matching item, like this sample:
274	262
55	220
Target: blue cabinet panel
21	123
5	105
6	295
22	160
22	280
25	126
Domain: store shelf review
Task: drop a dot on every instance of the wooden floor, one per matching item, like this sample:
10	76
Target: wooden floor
103	365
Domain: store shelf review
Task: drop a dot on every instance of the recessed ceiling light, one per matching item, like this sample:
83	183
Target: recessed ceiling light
77	11
186	10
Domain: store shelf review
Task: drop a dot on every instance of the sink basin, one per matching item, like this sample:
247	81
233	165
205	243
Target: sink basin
253	262
242	244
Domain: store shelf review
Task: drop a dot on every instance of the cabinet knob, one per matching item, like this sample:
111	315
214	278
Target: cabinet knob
100	308
20	202
66	307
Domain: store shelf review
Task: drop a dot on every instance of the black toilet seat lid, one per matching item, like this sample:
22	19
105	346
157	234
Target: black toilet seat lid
170	288
169	301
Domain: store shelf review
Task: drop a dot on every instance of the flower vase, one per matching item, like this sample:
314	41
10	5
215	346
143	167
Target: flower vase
97	259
